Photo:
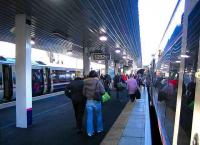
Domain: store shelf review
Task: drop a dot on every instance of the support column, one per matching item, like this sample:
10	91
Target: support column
86	61
106	66
23	72
117	68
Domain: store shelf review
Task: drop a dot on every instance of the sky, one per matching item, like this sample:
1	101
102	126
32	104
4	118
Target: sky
154	16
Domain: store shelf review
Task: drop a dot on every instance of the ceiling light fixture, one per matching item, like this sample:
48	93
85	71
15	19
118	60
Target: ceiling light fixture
32	42
178	61
103	30
117	51
103	38
185	56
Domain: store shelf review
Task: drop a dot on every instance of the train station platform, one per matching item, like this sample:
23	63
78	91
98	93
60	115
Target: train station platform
125	123
133	124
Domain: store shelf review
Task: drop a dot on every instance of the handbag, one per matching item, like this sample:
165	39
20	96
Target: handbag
105	97
97	94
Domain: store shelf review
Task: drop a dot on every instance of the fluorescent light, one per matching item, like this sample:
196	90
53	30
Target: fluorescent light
178	61
99	61
32	42
117	51
124	57
103	38
103	30
185	56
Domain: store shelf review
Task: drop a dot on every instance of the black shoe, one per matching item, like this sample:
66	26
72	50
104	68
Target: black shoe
99	132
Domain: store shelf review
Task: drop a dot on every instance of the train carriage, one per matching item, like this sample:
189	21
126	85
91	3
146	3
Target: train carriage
45	78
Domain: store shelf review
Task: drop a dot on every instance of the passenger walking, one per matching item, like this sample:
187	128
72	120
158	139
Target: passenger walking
117	80
74	91
132	87
107	82
92	85
124	78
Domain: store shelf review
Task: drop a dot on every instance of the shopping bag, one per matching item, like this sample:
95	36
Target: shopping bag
105	97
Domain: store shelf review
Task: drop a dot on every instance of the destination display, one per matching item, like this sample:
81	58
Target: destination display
100	56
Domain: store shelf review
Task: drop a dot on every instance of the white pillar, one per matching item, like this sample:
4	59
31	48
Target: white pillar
86	61
23	72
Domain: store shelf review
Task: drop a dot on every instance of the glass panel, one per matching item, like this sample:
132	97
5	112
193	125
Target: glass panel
167	86
170	90
189	81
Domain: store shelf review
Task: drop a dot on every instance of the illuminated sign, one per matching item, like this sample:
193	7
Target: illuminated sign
100	56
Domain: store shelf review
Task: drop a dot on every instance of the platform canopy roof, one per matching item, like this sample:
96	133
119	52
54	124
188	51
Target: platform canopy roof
60	25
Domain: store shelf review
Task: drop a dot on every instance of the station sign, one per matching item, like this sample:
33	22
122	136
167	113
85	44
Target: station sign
100	56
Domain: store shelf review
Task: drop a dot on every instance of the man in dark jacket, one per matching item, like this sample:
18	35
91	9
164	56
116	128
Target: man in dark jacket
75	90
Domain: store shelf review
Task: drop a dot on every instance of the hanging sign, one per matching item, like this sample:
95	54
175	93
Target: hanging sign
100	56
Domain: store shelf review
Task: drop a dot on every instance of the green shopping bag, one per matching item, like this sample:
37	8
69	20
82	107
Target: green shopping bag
105	97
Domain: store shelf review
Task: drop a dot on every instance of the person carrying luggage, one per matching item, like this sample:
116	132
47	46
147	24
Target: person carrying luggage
92	86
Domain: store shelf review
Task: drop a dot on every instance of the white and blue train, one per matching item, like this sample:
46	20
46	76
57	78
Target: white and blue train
45	79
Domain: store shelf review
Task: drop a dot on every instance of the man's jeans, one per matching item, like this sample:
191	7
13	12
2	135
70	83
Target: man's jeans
90	106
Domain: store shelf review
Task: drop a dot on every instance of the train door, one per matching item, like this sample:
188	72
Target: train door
37	82
48	79
7	82
189	128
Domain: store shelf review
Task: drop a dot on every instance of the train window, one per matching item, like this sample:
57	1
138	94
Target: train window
189	81
60	76
167	85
